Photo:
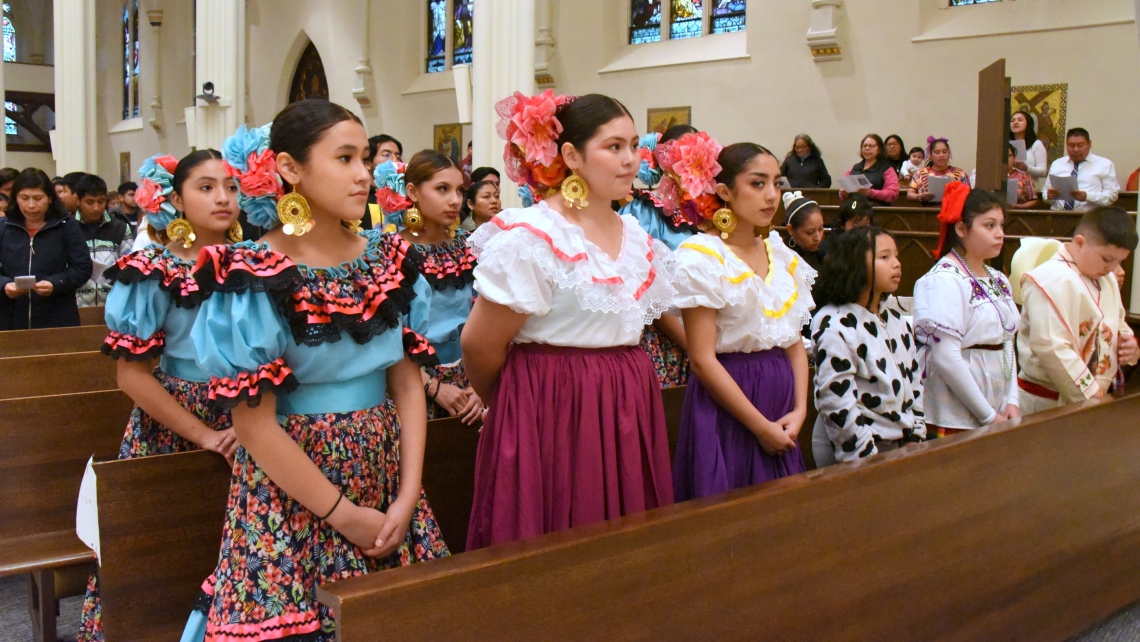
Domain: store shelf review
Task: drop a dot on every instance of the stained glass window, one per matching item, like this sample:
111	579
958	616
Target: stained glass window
131	59
9	35
9	124
644	21
135	61
685	19
727	16
961	3
463	37
437	36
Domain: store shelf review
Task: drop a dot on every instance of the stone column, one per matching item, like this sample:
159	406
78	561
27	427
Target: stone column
220	60
502	63
73	139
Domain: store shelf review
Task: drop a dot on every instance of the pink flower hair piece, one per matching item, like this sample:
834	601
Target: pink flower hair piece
391	201
529	126
149	196
261	179
693	159
668	195
167	162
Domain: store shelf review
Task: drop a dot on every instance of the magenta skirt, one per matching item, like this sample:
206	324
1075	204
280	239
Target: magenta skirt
573	436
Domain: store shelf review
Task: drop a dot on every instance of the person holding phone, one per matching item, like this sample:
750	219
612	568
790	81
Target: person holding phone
43	258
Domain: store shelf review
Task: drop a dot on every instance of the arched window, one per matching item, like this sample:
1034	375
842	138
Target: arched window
130	59
9	35
454	18
654	21
9	56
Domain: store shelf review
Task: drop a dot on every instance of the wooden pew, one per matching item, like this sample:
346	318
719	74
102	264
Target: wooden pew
56	374
830	196
27	343
44	446
91	316
159	546
1008	533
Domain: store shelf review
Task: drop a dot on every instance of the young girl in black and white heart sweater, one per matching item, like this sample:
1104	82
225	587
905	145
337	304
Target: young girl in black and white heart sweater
867	385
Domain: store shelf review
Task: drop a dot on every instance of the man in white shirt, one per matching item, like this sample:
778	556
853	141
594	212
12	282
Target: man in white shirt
1096	175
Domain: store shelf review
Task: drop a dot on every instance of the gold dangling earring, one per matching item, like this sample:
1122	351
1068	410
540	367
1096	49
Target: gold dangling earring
234	234
574	192
724	221
354	226
413	220
182	231
294	214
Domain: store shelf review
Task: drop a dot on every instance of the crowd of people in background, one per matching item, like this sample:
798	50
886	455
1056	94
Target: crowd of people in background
229	279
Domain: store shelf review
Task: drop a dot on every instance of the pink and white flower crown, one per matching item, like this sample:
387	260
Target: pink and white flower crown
690	169
531	129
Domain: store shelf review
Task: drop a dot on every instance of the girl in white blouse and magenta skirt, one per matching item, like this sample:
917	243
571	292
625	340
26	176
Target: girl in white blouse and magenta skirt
575	428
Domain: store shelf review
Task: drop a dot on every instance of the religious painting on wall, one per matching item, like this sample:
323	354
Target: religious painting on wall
309	80
124	167
662	118
448	140
1047	104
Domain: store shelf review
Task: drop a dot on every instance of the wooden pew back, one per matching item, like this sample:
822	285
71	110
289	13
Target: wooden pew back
27	343
158	546
56	374
1018	532
92	316
44	446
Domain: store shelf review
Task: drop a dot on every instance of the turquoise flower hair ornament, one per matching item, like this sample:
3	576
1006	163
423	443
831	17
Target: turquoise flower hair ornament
153	194
248	159
391	189
649	173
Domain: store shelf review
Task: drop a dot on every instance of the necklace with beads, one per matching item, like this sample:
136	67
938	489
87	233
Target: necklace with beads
1007	333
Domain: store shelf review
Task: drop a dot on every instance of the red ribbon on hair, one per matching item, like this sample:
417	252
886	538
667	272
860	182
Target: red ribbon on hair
953	202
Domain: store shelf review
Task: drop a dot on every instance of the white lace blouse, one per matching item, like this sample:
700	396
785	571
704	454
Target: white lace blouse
753	313
536	263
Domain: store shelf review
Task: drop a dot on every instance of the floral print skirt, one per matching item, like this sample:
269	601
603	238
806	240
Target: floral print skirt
146	437
454	375
275	552
670	361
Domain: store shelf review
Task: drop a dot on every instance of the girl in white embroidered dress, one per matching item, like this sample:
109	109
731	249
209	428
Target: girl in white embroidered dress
744	301
575	430
965	315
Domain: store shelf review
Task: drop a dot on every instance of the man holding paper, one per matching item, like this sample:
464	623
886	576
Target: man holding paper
1081	180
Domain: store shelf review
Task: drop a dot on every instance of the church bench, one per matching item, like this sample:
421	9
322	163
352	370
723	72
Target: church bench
26	343
56	374
1023	531
830	196
158	546
44	445
92	316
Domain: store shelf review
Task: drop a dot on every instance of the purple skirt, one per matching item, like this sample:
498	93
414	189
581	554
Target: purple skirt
573	436
715	452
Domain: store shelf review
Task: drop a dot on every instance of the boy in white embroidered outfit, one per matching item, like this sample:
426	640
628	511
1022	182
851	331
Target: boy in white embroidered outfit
1073	333
865	387
964	313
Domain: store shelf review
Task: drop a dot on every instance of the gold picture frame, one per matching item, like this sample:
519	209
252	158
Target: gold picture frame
448	140
1048	106
659	119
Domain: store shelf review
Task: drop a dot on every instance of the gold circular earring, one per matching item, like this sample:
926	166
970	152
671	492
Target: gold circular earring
295	215
234	234
413	220
574	192
182	231
725	222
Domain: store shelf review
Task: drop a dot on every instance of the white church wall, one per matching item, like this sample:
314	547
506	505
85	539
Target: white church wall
278	33
138	137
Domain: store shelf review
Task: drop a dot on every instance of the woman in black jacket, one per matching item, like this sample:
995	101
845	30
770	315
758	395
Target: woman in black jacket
803	166
39	239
